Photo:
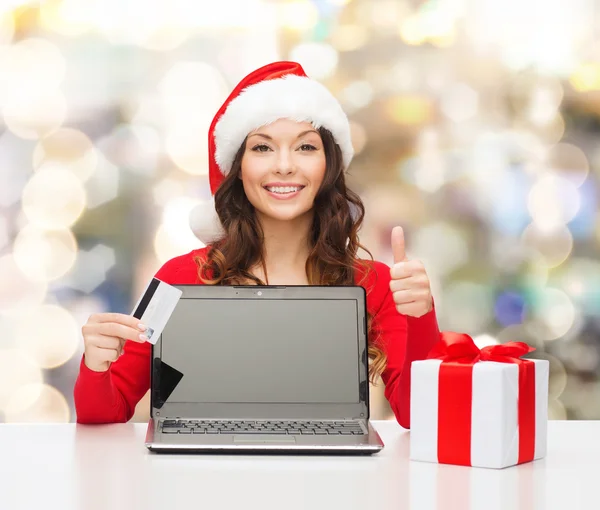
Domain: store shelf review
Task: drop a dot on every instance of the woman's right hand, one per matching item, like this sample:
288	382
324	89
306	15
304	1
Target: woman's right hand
105	334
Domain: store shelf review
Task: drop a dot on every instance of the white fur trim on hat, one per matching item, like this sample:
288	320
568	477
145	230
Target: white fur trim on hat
205	223
293	97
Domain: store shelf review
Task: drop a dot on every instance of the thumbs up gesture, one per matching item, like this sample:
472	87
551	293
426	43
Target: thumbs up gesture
409	282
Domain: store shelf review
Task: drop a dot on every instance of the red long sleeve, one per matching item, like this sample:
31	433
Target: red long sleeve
404	340
111	396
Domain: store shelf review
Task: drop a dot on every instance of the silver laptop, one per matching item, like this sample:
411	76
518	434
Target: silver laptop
279	369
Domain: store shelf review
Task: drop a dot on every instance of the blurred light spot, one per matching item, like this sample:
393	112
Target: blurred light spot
191	93
90	269
459	102
37	403
554	245
3	232
427	241
356	95
553	201
174	236
553	132
18	293
410	110
551	314
7	27
70	148
67	17
103	185
558	374
429	164
518	333
16	370
556	410
484	340
586	77
412	31
134	147
582	357
51	339
166	190
32	70
523	263
570	161
467	306
359	137
53	198
297	15
544	102
45	255
15	156
35	117
509	308
580	279
349	37
319	60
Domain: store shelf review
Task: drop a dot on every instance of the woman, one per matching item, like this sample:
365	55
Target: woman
278	150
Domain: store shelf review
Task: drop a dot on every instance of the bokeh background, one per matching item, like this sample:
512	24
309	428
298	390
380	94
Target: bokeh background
475	124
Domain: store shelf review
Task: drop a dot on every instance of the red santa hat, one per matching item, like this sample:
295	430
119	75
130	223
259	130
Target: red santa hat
276	91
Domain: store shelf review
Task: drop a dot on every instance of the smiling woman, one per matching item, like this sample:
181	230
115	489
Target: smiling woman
279	148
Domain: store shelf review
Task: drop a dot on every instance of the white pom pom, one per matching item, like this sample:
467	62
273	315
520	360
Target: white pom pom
205	223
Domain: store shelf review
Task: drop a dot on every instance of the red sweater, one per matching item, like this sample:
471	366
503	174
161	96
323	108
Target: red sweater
111	396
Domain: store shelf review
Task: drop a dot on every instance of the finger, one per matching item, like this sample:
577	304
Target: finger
120	331
407	296
118	318
410	282
105	342
416	309
407	269
398	247
106	354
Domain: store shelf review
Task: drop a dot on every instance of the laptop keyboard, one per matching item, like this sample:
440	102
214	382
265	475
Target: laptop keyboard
262	427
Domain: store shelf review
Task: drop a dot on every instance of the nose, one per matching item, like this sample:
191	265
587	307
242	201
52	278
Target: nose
285	164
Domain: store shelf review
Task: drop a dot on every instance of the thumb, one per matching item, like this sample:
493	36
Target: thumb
398	248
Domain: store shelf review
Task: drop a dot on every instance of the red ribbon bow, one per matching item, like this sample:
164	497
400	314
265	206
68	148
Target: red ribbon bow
459	354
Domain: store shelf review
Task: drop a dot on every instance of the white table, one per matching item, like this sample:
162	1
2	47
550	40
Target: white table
68	467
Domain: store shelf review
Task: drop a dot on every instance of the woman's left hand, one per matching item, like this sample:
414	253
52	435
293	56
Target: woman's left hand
409	281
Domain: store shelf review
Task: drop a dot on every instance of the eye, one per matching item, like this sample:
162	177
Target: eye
261	147
307	147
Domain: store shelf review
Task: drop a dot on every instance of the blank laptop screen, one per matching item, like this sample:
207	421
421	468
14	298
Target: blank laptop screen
264	351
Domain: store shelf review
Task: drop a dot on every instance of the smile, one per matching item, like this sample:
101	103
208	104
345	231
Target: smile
283	192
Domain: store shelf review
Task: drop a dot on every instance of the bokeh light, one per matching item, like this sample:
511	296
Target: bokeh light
40	195
319	60
554	245
553	202
33	118
18	293
45	255
37	403
16	371
175	235
51	339
551	314
69	148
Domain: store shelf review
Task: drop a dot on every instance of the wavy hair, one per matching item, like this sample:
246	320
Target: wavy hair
333	240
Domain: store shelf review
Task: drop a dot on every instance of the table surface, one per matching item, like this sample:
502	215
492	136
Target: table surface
69	466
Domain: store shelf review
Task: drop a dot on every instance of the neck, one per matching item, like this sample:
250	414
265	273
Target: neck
286	245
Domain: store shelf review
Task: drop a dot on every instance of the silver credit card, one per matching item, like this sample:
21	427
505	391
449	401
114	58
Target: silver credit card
155	307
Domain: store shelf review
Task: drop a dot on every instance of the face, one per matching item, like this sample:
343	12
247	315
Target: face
282	169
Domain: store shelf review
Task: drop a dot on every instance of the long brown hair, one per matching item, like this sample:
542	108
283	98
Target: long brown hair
334	237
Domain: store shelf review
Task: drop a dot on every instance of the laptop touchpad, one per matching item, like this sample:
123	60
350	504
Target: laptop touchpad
263	438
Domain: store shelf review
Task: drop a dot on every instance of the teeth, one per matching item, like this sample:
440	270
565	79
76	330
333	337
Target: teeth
283	189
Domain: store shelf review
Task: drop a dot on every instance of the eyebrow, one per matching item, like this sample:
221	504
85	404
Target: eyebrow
299	136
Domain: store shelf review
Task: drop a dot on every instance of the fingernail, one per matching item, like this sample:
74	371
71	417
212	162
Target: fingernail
143	338
141	327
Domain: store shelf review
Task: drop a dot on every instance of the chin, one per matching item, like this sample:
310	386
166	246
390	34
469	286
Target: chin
282	215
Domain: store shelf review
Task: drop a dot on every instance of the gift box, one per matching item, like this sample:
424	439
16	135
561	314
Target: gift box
481	408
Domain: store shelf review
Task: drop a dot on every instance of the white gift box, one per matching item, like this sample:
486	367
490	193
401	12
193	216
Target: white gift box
494	412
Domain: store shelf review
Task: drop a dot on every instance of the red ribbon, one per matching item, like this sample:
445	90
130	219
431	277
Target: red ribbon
459	354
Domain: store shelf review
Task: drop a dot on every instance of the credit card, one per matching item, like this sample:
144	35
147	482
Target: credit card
155	307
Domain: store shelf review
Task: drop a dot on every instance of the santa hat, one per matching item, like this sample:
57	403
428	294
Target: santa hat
275	91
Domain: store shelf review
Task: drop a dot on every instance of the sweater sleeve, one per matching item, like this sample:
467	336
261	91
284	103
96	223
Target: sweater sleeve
404	340
111	396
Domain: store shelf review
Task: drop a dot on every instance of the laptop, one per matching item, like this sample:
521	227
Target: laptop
263	369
